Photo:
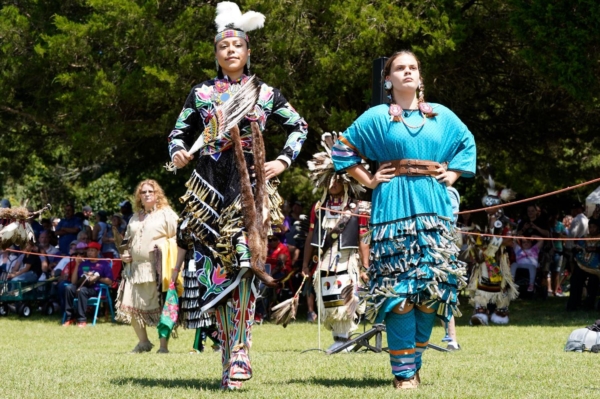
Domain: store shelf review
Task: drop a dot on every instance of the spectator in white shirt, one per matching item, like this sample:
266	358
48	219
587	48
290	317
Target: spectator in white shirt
579	224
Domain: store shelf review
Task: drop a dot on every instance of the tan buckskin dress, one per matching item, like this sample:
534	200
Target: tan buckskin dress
138	294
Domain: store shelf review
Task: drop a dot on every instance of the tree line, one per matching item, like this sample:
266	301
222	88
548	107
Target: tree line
91	88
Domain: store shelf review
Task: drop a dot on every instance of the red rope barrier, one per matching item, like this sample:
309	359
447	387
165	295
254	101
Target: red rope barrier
344	212
531	238
483	234
57	256
562	190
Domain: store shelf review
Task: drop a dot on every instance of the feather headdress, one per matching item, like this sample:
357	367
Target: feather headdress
322	173
494	196
14	225
230	20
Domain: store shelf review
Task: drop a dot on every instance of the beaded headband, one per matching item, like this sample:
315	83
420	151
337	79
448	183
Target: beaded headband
231	33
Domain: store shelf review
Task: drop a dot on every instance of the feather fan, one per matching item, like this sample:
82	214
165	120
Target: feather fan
285	312
229	114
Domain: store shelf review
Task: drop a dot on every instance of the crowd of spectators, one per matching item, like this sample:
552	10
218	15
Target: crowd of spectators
551	265
60	246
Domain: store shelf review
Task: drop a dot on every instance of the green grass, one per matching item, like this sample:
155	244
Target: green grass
41	359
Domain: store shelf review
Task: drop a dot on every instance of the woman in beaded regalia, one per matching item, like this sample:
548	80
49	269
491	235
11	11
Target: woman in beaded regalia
414	269
223	222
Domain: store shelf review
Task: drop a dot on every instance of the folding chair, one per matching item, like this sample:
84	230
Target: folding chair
96	301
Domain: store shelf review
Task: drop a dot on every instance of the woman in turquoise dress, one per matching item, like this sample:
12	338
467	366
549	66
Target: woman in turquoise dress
414	270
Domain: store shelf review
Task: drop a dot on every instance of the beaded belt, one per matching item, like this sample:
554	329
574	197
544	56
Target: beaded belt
416	167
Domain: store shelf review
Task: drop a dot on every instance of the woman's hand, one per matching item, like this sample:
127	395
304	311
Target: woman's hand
364	277
448	177
384	174
126	258
174	274
182	158
274	168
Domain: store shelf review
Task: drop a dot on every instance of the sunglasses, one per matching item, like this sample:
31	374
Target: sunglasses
147	192
273	239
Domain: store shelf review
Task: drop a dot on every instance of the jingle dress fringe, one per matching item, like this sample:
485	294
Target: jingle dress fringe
415	260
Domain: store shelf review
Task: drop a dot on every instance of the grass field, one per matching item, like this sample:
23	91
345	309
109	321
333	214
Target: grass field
41	359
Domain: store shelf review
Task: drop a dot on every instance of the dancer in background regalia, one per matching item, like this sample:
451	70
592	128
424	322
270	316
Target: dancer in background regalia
491	282
335	240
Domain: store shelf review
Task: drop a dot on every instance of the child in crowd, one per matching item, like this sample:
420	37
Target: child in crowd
526	256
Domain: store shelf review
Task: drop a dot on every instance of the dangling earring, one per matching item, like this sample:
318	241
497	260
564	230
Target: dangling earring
217	64
248	64
387	85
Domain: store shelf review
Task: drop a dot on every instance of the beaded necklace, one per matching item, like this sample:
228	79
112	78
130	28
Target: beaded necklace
396	111
225	88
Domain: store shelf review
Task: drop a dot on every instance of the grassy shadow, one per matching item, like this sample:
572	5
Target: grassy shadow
208	384
344	382
54	319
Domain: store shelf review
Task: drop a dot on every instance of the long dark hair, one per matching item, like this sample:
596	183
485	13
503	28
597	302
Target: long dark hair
386	72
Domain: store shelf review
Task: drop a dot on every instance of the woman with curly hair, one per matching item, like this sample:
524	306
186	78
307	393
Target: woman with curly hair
138	299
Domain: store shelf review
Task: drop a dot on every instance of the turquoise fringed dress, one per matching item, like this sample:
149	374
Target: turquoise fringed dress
413	256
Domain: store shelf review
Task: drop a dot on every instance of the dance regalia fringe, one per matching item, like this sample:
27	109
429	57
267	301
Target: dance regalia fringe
211	224
413	256
415	260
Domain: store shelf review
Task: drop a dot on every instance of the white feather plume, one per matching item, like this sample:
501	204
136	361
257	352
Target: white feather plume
507	195
250	21
229	14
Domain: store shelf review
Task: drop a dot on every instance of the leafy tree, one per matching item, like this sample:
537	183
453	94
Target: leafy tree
91	88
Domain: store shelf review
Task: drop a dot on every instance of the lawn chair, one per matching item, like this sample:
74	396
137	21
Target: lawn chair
103	296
